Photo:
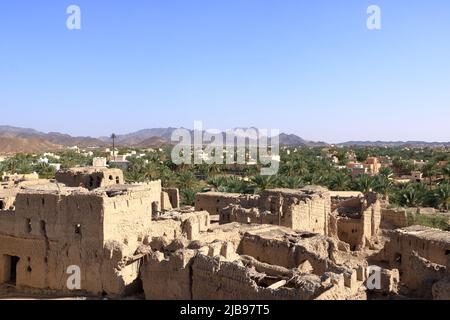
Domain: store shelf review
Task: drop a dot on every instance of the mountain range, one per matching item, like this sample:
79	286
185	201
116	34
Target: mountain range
15	139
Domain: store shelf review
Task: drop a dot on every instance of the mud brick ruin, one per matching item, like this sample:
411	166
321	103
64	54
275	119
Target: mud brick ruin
135	240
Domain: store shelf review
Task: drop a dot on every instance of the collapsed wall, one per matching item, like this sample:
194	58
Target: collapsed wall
8	198
284	244
422	255
214	202
357	221
306	209
263	262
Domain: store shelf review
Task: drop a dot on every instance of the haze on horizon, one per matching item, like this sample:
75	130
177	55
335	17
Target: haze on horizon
308	68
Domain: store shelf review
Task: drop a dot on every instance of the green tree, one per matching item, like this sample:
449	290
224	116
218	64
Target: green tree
414	195
429	171
187	180
384	186
263	182
364	183
340	181
188	197
442	195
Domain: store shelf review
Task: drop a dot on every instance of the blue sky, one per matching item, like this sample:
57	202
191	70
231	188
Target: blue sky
306	67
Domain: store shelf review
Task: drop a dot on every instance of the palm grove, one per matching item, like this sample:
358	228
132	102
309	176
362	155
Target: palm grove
299	167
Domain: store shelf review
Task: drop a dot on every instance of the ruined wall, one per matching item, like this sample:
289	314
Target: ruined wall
195	223
311	215
8	198
290	254
420	275
174	196
358	220
271	256
431	244
168	278
127	216
97	231
235	213
51	232
397	218
155	193
7	222
351	231
304	209
214	280
90	178
214	202
421	254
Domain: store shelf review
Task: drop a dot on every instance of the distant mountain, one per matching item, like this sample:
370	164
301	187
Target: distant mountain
14	144
153	142
14	139
54	138
69	141
293	140
137	137
9	130
410	144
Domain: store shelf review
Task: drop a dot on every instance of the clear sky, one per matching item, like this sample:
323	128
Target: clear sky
306	67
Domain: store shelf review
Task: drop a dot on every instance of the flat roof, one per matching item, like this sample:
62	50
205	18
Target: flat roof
426	233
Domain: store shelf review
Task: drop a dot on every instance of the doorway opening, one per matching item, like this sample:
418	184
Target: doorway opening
11	263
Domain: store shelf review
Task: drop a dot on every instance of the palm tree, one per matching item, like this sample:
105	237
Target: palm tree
446	171
365	183
152	171
429	171
386	172
340	181
383	185
134	175
414	195
443	196
188	197
217	182
263	182
187	180
290	182
113	137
